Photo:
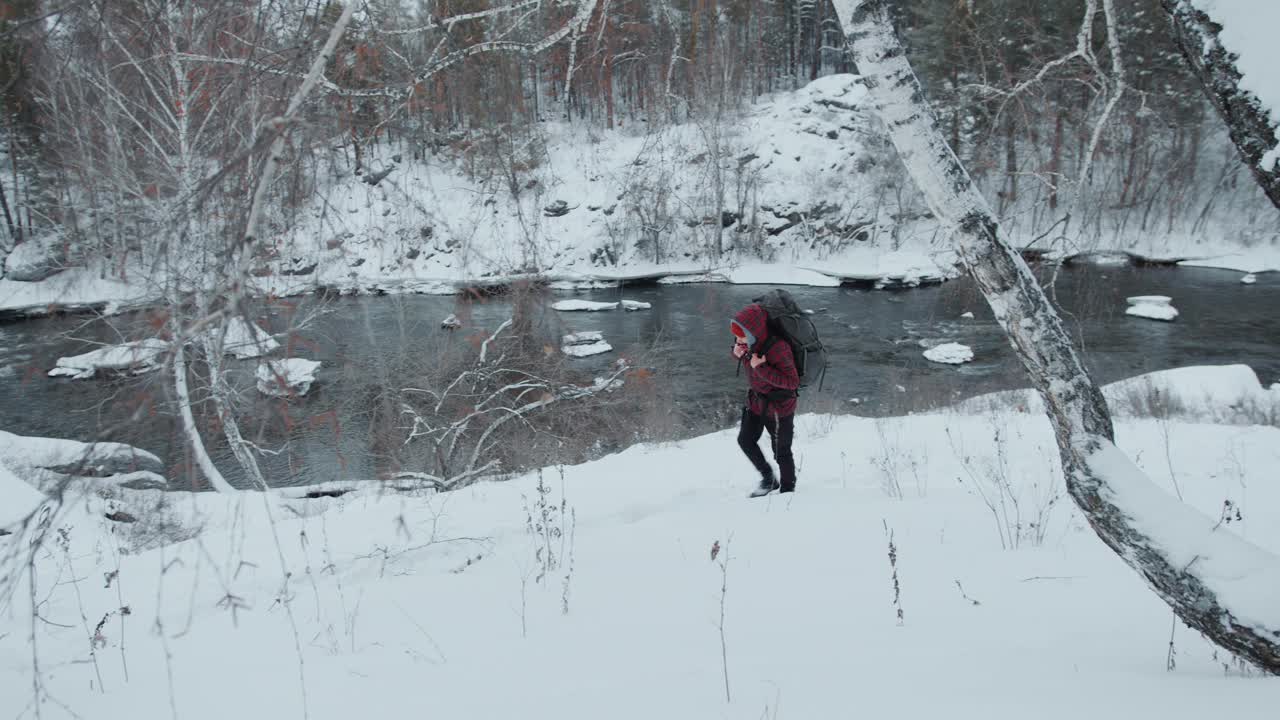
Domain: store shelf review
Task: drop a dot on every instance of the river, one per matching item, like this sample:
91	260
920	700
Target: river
875	338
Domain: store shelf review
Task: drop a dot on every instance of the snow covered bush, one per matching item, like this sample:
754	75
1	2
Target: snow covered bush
1020	500
899	462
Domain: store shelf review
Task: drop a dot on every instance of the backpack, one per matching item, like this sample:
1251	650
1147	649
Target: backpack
788	322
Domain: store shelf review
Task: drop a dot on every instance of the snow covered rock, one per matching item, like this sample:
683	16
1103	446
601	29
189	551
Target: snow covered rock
559	208
583	306
631	305
36	260
1152	307
451	323
967	316
584	344
97	459
246	340
949	353
290	376
48	463
1249	279
133	357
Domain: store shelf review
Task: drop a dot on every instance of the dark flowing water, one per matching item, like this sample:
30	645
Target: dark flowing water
876	340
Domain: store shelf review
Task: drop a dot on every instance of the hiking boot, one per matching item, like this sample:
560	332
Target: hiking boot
787	488
766	486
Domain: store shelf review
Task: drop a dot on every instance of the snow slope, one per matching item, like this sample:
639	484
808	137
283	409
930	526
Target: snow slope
403	604
1221	394
799	162
809	166
585	195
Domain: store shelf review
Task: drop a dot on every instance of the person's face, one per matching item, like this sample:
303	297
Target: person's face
740	341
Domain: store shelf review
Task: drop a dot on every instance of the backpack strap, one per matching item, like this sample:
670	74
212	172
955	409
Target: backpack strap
768	344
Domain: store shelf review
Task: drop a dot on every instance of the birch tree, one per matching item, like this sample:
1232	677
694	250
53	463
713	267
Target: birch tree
1216	582
1250	125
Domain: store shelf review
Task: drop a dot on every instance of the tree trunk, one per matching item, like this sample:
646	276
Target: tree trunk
15	234
1247	119
194	440
608	89
1182	555
1055	159
1010	164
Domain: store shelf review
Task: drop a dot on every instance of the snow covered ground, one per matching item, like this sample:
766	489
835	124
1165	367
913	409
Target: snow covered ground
598	596
1228	252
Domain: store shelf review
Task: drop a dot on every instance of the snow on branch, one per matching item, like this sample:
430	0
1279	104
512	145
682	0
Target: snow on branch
447	23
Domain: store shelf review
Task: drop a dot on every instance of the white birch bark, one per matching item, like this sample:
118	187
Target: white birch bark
1216	582
203	461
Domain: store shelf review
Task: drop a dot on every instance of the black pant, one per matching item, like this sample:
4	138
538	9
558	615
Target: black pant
780	432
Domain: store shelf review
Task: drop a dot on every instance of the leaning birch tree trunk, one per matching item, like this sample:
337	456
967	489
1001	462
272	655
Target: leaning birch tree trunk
1216	582
1248	120
235	285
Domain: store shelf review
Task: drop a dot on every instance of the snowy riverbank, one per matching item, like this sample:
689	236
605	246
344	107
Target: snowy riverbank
78	290
402	601
804	181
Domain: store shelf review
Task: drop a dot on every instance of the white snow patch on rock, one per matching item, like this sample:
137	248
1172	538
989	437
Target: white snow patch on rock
949	353
584	337
967	315
587	349
585	344
1249	279
583	306
1152	307
290	376
246	340
135	357
635	305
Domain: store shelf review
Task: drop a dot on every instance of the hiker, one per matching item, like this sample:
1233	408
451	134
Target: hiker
771	400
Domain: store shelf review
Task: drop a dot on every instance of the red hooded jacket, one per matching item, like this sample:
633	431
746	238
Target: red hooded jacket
778	371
